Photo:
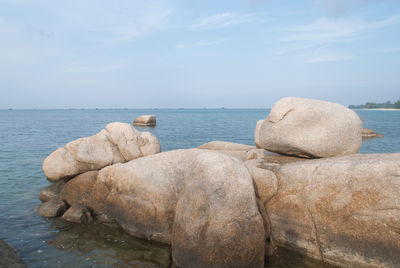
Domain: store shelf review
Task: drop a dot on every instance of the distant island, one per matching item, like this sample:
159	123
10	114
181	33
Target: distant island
374	105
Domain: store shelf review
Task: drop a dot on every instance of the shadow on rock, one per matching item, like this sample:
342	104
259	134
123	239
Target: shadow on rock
293	259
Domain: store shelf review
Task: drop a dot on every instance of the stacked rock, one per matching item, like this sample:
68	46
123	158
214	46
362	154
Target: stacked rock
309	128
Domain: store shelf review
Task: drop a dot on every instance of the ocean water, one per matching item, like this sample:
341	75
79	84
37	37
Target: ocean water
28	136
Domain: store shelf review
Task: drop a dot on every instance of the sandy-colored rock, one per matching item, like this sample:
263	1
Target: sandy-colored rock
226	146
264	178
309	128
76	190
257	133
201	202
259	154
242	155
145	121
241	151
117	143
8	257
53	208
342	210
51	191
369	133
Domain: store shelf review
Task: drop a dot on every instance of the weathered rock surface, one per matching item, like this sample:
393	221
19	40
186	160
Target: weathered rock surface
145	121
241	151
226	146
309	128
55	207
342	210
117	143
201	202
8	257
75	191
368	133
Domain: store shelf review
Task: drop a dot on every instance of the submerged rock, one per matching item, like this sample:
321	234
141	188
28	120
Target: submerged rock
8	257
55	207
115	247
368	133
309	128
342	210
201	202
117	143
145	121
79	214
51	191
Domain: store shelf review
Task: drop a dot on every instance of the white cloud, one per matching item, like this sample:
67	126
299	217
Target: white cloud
138	26
319	58
333	30
336	7
221	20
102	20
342	7
84	68
1	20
325	39
200	44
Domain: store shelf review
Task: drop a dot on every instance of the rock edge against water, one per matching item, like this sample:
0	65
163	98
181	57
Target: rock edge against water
8	257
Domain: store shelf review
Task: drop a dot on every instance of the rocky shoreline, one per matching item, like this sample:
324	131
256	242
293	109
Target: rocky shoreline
231	205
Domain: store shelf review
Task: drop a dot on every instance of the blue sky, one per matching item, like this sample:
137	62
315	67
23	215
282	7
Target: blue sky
170	54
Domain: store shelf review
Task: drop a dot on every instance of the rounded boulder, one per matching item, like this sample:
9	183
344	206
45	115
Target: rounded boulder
309	128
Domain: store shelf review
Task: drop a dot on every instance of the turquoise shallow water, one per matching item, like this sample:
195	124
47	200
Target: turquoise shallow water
28	136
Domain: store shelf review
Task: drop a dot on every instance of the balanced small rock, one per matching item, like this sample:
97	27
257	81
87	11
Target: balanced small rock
309	128
145	121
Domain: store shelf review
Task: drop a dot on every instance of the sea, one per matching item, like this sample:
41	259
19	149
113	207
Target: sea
28	136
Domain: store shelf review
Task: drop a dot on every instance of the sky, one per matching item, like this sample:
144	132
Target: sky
197	54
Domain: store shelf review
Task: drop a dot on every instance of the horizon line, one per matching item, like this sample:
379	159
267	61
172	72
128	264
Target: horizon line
180	108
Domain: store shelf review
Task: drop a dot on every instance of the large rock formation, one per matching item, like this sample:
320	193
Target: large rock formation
342	210
309	128
117	143
203	203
